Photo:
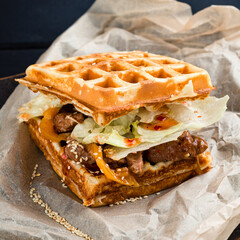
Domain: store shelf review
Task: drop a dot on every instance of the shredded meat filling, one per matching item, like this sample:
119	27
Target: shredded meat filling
65	122
186	146
76	152
135	162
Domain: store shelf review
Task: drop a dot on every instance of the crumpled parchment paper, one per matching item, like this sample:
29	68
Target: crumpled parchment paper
205	207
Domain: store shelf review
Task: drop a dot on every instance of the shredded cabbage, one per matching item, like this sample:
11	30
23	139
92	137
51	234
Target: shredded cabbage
192	115
113	134
106	136
37	106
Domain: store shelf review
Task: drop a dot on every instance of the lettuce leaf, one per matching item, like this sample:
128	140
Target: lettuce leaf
199	113
192	115
37	106
154	136
89	132
117	153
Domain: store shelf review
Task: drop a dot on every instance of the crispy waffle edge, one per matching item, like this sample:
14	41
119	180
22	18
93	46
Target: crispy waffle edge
108	85
96	191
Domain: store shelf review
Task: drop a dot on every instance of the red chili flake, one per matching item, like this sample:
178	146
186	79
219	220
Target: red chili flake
196	111
64	156
96	139
161	118
131	140
186	103
199	116
156	127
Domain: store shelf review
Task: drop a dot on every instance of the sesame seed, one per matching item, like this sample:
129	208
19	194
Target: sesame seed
80	145
52	214
68	167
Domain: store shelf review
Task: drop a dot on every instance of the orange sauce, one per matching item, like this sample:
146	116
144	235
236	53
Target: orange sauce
161	122
123	177
131	142
47	126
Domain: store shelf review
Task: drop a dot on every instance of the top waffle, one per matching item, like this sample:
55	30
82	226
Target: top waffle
108	85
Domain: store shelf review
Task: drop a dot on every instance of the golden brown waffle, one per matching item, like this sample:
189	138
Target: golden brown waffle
108	85
99	191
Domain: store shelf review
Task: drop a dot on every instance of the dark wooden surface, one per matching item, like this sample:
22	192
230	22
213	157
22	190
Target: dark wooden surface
27	29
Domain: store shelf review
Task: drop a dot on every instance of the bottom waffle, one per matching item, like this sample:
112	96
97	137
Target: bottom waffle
98	191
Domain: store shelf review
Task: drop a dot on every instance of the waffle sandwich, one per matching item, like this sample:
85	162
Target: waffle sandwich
117	125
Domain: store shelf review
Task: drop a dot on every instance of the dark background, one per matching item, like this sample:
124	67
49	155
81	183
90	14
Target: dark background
27	28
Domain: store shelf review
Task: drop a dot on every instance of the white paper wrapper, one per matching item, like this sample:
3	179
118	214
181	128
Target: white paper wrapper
205	207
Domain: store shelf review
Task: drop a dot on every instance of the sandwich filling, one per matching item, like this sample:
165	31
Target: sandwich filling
129	141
